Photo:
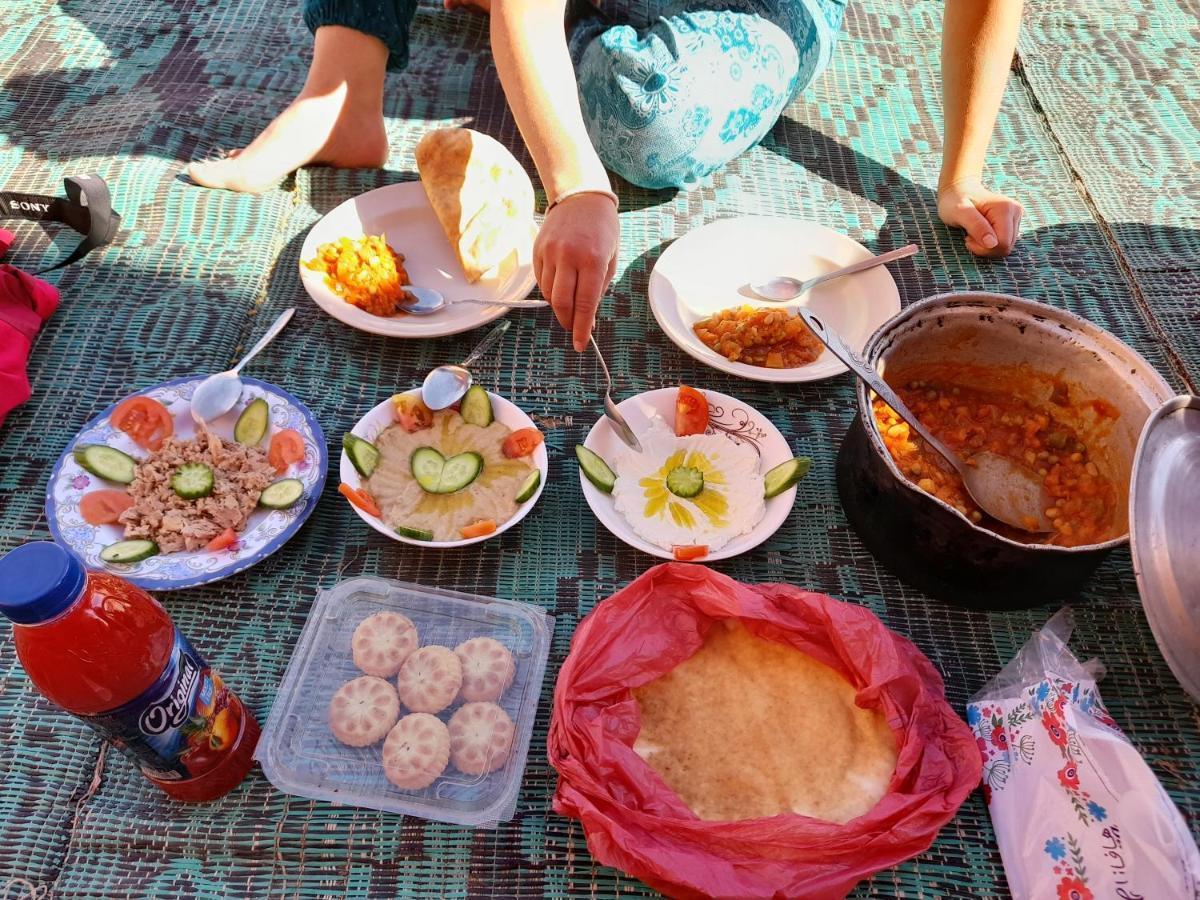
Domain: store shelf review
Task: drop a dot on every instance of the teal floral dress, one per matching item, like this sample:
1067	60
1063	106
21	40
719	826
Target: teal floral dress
670	91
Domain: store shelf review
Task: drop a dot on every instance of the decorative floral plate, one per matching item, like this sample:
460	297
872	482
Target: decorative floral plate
737	421
266	531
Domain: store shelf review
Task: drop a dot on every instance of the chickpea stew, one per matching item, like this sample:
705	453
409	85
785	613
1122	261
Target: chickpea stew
757	336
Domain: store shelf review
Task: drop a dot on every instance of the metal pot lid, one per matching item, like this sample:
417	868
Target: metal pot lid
1164	519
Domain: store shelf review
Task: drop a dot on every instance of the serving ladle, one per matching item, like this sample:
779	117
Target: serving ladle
217	394
427	301
783	288
446	385
1002	488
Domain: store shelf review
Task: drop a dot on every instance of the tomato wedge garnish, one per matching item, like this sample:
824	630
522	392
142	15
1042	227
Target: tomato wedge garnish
411	412
103	507
691	412
360	498
222	541
287	447
688	554
521	442
479	529
145	420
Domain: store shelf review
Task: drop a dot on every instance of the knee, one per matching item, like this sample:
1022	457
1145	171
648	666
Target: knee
668	108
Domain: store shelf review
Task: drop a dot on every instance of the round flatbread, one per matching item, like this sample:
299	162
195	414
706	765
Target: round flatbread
416	751
487	668
382	642
363	711
430	679
481	736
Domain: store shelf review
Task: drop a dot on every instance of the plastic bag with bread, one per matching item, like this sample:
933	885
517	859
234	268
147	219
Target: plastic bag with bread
481	195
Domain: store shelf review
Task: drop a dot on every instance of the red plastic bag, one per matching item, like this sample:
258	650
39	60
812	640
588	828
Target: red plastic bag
636	823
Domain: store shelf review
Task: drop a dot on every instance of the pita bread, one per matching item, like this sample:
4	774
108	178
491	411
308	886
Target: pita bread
748	728
481	195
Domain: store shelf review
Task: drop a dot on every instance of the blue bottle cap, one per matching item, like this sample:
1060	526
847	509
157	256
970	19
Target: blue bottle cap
38	581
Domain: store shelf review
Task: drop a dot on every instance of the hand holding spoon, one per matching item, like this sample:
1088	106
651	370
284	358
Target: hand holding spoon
783	288
217	394
1003	489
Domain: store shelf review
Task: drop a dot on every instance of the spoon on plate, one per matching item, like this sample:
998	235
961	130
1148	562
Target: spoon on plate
446	385
217	394
428	301
782	288
1002	488
620	426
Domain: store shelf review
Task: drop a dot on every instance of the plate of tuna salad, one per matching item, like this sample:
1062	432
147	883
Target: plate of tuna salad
145	491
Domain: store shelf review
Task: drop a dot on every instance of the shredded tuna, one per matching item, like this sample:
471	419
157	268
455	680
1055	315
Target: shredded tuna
159	514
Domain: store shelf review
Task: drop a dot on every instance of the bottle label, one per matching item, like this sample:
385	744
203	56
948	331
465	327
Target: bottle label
182	725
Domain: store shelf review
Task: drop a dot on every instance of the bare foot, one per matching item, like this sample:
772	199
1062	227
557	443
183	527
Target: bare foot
337	119
478	6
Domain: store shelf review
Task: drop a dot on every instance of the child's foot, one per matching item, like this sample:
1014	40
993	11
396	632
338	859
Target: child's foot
326	129
479	6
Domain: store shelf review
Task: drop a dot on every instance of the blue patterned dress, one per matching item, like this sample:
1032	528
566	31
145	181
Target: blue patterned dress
672	90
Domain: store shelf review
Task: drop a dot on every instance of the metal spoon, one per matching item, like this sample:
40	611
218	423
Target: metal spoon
620	426
782	288
1002	488
446	385
428	301
217	394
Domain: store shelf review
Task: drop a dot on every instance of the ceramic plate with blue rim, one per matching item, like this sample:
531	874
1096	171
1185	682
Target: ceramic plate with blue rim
266	530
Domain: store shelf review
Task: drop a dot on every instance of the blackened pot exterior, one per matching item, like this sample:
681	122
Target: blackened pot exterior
927	542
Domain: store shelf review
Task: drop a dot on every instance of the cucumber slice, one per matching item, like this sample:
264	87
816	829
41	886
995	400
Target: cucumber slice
129	551
784	476
685	481
281	494
192	481
417	534
107	463
438	475
596	469
476	407
364	455
460	471
252	424
529	486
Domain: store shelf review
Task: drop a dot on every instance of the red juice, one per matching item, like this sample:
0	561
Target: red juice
107	652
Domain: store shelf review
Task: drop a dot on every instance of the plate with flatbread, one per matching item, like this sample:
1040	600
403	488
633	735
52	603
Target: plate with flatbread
465	229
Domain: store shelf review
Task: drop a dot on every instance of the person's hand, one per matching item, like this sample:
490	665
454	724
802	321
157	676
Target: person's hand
574	259
992	221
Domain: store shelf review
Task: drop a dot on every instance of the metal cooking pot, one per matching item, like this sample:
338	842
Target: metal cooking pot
927	542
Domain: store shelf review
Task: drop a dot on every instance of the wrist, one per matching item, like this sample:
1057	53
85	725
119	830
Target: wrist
582	190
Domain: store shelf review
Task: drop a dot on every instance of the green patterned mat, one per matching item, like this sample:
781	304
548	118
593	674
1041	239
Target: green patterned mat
1097	137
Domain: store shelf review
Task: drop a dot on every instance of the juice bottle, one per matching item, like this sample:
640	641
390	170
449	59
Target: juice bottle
107	652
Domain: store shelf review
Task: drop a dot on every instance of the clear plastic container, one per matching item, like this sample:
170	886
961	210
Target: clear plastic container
300	755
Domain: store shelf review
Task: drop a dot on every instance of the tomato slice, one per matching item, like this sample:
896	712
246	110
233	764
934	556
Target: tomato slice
688	554
521	442
411	412
360	498
287	447
479	529
145	420
222	541
104	506
691	412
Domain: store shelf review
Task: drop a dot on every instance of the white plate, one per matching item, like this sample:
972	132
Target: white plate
266	530
401	212
738	421
379	418
707	270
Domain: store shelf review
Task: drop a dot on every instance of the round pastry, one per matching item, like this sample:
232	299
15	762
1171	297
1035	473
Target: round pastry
416	751
487	668
363	711
430	679
382	642
481	736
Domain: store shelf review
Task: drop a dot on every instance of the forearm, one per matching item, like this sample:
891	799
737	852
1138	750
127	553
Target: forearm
978	40
530	47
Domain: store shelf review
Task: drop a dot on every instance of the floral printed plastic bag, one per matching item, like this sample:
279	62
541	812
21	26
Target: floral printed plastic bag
1077	812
